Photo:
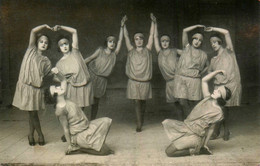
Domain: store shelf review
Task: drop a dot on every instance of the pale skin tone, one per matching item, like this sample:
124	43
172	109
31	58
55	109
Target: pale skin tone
164	44
110	44
138	40
172	151
34	122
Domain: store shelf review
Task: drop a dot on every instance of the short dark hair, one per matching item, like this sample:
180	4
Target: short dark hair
39	35
221	102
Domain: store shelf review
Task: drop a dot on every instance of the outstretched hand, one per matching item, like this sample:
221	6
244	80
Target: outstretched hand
153	18
56	28
208	29
123	21
55	70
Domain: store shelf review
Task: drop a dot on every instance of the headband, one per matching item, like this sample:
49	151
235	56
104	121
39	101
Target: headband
223	92
61	41
167	38
197	35
139	35
109	38
215	38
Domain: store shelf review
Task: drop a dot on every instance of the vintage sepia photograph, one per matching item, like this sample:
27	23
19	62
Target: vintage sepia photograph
130	82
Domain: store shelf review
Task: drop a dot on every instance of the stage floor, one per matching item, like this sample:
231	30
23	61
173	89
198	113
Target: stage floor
131	148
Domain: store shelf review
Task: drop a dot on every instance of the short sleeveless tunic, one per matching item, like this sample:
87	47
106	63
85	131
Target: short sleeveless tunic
167	64
84	133
188	79
139	72
29	95
192	130
100	68
227	61
79	88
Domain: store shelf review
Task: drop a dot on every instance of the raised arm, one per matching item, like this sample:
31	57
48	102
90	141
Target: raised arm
156	38
150	39
93	56
120	39
227	36
127	40
206	79
185	39
73	33
34	31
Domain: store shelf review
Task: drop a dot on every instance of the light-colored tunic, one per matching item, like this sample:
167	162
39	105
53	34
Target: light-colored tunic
100	68
79	88
227	61
84	133
29	95
189	134
188	74
167	64
139	72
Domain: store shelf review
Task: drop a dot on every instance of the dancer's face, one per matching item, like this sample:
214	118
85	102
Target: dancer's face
43	43
196	42
216	94
64	46
215	45
111	44
165	44
139	41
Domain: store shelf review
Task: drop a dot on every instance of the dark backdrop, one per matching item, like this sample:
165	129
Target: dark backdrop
96	19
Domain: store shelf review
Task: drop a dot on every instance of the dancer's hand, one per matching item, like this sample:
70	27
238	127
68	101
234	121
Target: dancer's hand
205	150
208	29
56	28
47	26
123	21
153	18
55	70
69	150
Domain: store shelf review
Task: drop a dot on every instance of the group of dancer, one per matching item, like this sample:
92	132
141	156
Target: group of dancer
83	82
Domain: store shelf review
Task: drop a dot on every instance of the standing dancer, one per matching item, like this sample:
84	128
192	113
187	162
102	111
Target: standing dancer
191	66
225	60
139	72
191	136
101	64
29	94
167	60
72	66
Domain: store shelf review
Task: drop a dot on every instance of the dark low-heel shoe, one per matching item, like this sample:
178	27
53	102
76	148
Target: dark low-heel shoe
41	141
31	141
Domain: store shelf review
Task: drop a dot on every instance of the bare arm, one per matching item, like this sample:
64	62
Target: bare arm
156	38
185	39
127	40
120	39
93	56
34	31
72	31
209	134
206	79
150	39
227	36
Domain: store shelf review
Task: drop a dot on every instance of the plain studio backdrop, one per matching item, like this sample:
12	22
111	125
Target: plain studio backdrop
97	19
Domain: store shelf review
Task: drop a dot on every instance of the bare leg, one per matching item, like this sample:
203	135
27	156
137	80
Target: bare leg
185	107
138	110
105	150
94	108
37	125
226	124
31	130
172	151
